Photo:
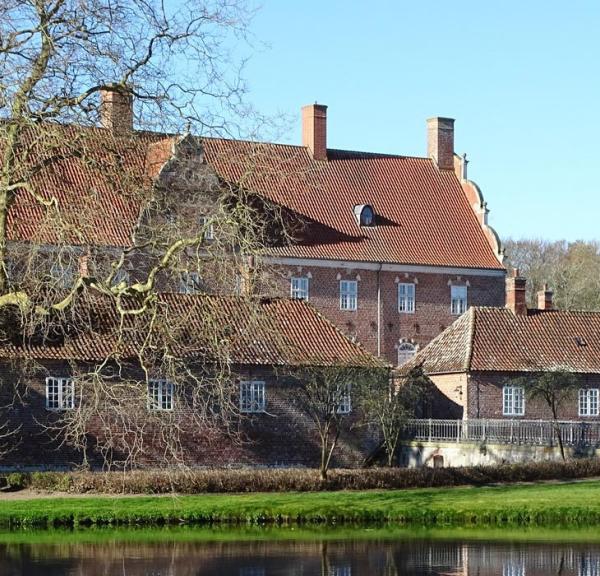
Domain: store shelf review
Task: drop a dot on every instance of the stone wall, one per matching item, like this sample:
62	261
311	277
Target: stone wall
453	454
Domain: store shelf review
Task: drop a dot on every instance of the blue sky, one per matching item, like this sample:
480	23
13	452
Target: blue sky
520	77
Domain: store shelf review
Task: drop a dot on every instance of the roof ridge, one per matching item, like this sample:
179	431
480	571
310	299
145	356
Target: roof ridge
300	146
539	310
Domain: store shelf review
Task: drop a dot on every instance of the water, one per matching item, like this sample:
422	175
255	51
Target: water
324	554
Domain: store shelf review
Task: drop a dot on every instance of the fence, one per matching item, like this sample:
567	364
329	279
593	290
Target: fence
527	432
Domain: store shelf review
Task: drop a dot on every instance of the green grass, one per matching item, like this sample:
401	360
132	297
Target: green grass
203	534
564	504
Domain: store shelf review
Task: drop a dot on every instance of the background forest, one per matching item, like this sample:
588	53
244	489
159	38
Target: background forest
571	270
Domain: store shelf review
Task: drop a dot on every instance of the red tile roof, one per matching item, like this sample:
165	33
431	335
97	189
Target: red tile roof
98	184
422	213
273	332
495	339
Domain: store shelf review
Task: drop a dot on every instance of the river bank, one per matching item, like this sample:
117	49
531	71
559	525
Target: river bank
557	504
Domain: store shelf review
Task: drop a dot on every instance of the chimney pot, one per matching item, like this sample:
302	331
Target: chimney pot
440	142
116	109
314	130
544	298
516	293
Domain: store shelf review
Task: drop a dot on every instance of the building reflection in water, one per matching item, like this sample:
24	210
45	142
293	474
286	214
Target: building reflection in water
293	558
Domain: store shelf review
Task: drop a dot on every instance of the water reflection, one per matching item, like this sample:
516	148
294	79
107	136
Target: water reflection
294	558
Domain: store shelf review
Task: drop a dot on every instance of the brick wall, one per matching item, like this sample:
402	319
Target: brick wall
484	398
282	436
452	395
432	295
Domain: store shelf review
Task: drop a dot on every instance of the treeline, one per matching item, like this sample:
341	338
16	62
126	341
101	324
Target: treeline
571	270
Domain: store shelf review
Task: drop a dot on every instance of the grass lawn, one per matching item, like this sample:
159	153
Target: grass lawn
569	503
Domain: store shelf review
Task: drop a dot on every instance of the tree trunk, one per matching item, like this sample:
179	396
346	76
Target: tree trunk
323	467
323	473
560	440
558	432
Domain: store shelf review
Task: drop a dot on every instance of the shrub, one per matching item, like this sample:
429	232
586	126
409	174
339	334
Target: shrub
17	481
194	481
51	481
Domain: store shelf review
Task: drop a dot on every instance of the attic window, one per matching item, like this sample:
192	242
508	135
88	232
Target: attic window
365	215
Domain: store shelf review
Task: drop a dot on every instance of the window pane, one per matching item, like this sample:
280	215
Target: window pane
406	298
405	353
348	294
513	401
458	299
344	400
252	396
160	395
60	393
299	288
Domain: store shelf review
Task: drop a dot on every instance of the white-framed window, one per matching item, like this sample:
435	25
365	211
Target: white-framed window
252	396
160	395
60	393
406	298
458	299
344	400
207	226
588	402
513	401
406	351
189	283
120	276
62	273
348	294
299	288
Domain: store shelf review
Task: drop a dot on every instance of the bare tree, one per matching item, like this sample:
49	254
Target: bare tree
96	222
553	388
390	407
331	397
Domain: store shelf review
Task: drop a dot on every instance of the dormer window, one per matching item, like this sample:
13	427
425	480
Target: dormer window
365	215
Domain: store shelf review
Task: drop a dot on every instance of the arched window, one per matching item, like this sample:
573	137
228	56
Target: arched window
365	215
406	351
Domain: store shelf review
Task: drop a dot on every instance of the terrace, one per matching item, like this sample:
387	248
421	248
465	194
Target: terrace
519	432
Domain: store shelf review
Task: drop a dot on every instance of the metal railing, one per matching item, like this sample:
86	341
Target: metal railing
527	432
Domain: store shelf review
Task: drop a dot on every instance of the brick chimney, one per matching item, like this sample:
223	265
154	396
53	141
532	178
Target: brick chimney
314	130
440	142
116	109
544	298
515	293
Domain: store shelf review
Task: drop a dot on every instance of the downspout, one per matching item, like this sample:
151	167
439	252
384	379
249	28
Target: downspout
379	310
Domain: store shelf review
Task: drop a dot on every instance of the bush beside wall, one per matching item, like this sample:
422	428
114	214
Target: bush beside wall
294	479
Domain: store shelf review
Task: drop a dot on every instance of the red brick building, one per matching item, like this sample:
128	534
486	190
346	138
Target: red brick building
263	344
391	248
478	363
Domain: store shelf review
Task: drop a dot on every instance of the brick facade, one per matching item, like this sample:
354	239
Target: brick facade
281	436
432	302
484	398
479	395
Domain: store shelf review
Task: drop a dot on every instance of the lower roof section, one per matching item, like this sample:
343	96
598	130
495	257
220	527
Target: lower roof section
234	330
